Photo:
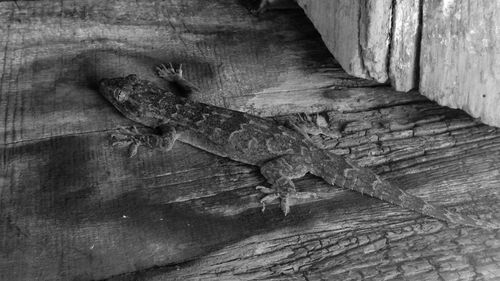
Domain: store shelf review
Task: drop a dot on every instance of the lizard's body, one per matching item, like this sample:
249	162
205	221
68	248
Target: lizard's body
281	153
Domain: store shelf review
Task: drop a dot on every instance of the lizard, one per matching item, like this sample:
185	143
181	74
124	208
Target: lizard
282	153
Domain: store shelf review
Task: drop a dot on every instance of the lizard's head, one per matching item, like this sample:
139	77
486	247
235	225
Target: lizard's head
120	90
132	96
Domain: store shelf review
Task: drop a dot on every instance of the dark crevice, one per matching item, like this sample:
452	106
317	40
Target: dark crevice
389	48
418	45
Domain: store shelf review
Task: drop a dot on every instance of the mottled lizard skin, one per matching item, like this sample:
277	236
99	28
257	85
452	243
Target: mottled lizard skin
282	153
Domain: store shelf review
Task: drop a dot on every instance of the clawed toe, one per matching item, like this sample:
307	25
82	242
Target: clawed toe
271	195
119	142
126	131
268	199
132	150
284	202
305	195
265	190
127	137
124	136
169	72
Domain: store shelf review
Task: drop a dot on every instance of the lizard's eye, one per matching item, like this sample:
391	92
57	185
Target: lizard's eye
121	95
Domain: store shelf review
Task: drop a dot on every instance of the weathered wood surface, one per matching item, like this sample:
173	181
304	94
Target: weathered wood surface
357	33
404	55
460	56
449	50
74	208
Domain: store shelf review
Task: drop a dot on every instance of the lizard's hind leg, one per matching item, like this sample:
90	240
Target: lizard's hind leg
279	173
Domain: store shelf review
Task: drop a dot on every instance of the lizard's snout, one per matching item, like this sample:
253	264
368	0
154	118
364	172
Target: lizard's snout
103	88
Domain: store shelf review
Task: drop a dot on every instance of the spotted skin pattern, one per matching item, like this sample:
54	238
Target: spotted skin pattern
282	153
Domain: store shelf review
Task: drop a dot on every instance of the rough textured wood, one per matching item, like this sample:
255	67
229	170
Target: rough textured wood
340	238
405	53
356	32
459	65
74	208
449	49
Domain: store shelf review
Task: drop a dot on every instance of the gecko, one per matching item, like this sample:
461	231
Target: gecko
283	153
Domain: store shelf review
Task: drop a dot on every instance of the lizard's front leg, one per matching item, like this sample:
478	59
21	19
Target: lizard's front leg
279	173
172	75
134	139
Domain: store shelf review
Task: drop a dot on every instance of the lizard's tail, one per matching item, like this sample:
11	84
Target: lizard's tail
336	170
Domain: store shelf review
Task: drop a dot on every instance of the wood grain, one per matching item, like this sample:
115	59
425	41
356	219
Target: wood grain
460	56
405	45
74	208
356	32
449	50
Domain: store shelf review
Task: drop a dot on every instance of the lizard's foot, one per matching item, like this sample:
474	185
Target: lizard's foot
316	125
284	197
262	8
133	139
127	137
182	86
169	73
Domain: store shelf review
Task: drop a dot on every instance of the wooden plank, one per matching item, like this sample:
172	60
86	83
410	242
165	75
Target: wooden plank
72	207
459	61
449	49
75	208
405	43
356	32
66	55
